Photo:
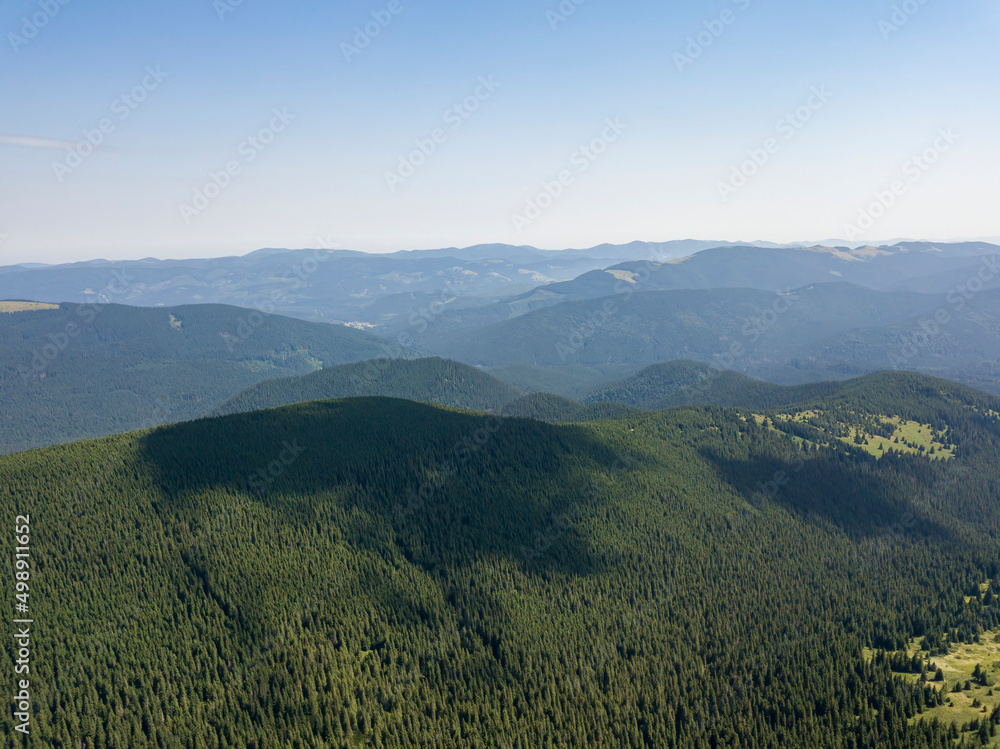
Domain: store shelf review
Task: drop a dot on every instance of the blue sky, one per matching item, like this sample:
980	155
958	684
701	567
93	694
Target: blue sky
527	157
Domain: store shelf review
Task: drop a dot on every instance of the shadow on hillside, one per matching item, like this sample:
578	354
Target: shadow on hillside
863	497
444	487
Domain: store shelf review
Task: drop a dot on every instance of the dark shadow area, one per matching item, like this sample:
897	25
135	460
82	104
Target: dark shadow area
859	494
445	487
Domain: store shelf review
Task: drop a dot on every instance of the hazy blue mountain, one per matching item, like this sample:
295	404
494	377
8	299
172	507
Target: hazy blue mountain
651	327
882	268
965	348
311	284
90	370
451	289
629	251
382	290
821	332
426	293
920	267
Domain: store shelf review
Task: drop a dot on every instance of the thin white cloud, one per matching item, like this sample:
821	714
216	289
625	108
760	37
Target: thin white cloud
29	141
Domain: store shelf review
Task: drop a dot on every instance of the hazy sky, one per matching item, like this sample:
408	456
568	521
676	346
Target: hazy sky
503	96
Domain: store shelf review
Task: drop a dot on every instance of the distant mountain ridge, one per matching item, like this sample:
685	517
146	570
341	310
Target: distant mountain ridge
879	268
324	284
819	332
920	267
457	288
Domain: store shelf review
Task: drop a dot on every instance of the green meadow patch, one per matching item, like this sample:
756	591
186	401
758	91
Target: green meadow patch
876	434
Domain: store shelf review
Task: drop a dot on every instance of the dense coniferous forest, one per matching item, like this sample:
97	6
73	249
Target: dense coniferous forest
684	383
377	572
430	380
548	407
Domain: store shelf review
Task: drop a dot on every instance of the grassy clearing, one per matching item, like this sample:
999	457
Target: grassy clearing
905	437
975	703
11	307
623	275
958	666
909	437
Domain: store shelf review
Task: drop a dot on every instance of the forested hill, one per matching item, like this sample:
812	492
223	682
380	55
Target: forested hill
683	383
431	380
79	371
554	408
383	573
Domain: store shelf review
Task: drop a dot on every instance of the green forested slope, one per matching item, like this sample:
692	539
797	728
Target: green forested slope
682	383
430	380
567	381
91	370
554	408
383	573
